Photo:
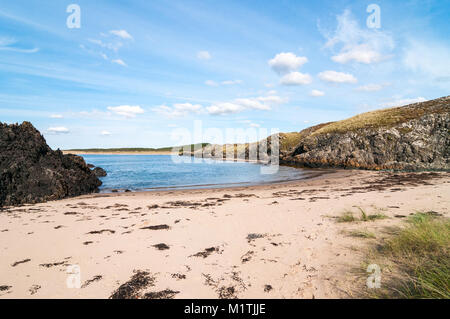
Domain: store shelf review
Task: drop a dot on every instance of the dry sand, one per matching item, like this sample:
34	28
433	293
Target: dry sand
268	241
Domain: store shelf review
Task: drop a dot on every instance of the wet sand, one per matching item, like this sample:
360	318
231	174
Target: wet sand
266	241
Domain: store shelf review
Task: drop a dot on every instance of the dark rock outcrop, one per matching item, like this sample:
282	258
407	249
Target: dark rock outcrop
99	172
31	172
413	137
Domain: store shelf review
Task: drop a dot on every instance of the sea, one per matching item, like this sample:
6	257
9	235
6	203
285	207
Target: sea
159	172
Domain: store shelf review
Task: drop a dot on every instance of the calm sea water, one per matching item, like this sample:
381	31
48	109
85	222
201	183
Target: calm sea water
147	172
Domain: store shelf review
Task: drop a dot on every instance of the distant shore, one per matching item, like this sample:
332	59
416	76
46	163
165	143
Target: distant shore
75	152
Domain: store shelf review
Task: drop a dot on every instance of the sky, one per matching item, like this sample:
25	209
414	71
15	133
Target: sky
139	73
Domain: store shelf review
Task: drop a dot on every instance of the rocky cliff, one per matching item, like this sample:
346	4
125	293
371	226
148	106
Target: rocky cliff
412	137
31	172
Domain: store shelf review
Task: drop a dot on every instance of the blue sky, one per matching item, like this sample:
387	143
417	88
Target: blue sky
135	71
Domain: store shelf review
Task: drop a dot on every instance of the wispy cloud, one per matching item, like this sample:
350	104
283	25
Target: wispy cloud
178	109
226	82
316	93
372	87
427	57
122	34
114	45
119	61
355	44
58	130
251	123
231	82
402	102
9	44
204	55
211	83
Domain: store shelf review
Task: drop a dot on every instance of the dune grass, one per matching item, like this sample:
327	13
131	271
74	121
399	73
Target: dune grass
348	216
417	260
362	234
386	117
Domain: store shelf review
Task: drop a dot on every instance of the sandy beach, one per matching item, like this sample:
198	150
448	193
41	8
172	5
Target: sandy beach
267	241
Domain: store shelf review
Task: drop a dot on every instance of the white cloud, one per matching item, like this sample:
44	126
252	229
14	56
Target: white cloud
372	87
92	114
254	125
224	108
58	130
119	61
355	44
126	110
286	62
227	82
337	77
239	105
121	34
317	93
211	83
178	109
231	82
401	102
272	99
203	55
252	103
296	78
361	53
56	116
105	133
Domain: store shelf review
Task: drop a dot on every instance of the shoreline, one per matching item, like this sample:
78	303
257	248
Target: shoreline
314	174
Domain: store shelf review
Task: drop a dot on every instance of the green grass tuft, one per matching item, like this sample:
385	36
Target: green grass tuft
420	256
362	234
347	217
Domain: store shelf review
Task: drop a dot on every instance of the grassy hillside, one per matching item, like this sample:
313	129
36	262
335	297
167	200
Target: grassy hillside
387	117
